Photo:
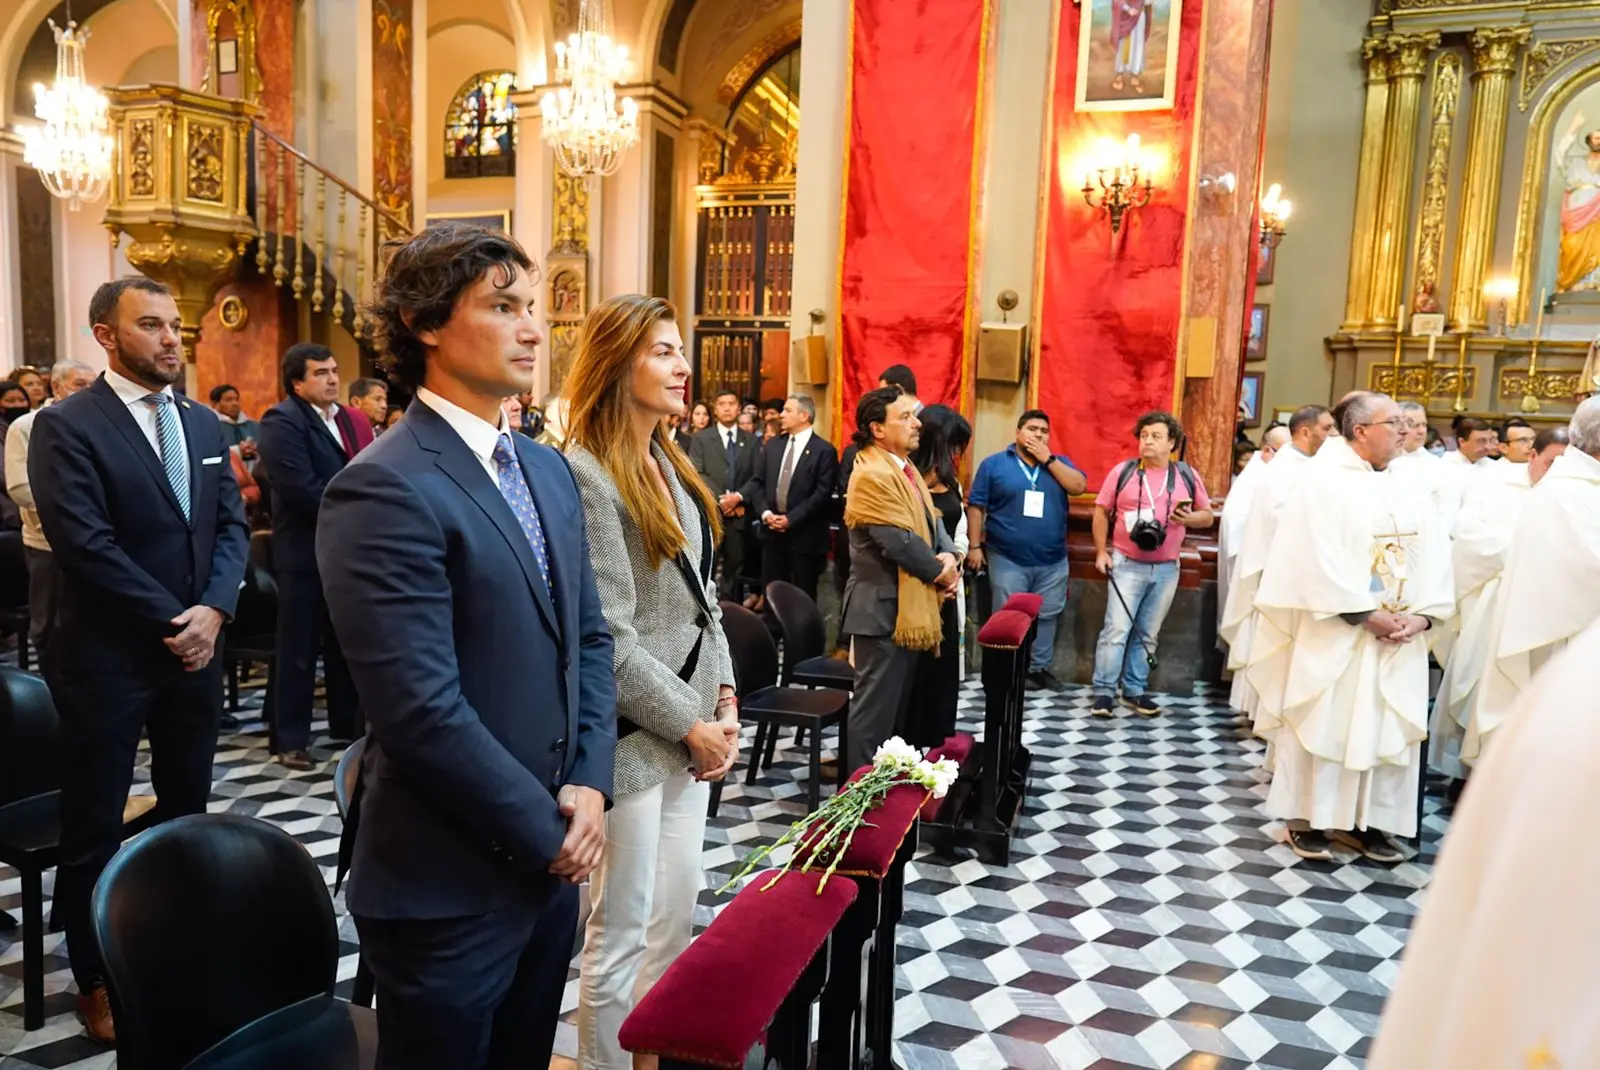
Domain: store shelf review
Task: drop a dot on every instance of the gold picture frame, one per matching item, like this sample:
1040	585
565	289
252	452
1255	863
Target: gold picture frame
1127	59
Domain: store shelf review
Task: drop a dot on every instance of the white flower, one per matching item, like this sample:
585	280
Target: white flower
945	772
895	753
936	777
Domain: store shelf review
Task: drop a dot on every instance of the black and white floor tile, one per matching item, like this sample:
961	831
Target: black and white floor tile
1151	917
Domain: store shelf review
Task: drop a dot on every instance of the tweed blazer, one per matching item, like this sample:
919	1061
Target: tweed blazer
652	616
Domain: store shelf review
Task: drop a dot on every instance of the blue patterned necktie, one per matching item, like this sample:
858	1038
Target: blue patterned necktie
514	488
173	457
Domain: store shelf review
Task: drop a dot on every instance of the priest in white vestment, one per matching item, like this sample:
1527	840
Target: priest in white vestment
1236	507
1483	535
1415	463
1550	590
1460	466
1309	427
1502	968
1357	572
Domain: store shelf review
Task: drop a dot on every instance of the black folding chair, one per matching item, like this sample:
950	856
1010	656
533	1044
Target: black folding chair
772	706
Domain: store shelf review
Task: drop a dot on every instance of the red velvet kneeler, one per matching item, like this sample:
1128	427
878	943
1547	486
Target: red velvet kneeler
1025	602
1004	630
873	847
957	748
764	940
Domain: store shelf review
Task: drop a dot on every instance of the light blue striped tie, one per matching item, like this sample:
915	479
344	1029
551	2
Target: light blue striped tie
173	457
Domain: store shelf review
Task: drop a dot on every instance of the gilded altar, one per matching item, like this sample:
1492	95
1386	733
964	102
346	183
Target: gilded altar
1477	199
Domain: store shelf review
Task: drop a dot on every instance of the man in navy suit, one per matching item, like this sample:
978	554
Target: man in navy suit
306	439
453	559
794	492
137	499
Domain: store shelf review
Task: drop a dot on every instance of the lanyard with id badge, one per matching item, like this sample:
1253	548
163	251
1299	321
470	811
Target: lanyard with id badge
1033	497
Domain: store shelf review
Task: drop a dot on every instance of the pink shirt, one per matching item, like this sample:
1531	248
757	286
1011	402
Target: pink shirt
1148	492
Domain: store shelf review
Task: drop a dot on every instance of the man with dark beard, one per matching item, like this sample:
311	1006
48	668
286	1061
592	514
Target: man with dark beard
138	502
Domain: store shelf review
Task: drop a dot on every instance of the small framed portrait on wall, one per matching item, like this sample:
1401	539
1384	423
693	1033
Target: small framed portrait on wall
1255	343
1266	264
1250	398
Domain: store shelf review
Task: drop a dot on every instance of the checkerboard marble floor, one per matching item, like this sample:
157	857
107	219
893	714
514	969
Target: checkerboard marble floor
1152	916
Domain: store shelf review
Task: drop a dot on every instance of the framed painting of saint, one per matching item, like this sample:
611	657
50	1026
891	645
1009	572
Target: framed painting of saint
1255	344
1250	398
1127	54
1575	166
1266	264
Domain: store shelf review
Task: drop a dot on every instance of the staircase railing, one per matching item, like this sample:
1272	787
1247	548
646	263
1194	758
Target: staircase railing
304	240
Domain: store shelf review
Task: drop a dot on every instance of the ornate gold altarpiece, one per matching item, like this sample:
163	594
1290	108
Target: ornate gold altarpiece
1456	130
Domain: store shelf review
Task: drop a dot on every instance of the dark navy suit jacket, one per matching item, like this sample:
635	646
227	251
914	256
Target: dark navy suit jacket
300	457
484	696
129	561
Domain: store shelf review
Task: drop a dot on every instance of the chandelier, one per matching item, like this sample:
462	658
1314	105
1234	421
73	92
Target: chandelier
72	150
583	123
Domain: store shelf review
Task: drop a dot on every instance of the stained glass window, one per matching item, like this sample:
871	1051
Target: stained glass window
480	133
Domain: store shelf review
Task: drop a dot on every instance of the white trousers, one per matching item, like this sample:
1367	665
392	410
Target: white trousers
643	894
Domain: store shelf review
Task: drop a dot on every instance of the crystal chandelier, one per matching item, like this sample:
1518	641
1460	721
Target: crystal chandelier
582	120
72	150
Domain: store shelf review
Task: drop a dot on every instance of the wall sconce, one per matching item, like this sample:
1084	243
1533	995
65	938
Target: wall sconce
1503	289
1118	179
1274	217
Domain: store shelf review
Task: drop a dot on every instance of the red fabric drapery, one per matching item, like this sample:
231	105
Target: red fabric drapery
907	275
1108	310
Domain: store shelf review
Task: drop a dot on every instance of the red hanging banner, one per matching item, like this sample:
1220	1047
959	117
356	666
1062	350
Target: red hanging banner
1108	308
907	271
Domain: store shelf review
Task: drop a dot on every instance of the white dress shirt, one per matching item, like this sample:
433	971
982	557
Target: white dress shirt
794	447
330	423
479	435
728	435
132	395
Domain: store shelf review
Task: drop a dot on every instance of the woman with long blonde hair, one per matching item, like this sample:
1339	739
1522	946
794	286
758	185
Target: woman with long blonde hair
652	526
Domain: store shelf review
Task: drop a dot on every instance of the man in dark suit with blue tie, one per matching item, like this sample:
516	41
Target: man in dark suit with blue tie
306	440
453	559
795	479
137	498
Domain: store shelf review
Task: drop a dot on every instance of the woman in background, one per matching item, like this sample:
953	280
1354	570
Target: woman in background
699	417
652	525
32	382
931	711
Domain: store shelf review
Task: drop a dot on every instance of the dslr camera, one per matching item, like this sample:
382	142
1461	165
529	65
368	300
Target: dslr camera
1148	535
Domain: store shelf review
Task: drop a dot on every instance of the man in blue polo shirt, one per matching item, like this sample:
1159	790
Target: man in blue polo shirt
1017	525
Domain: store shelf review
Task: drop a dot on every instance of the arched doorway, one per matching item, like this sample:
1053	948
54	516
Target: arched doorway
744	264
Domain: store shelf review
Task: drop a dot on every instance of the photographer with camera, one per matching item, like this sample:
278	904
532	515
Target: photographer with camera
1143	508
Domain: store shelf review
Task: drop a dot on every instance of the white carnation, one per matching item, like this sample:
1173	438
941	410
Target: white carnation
895	753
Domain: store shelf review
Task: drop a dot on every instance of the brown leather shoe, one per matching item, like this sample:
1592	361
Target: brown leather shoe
94	1010
296	760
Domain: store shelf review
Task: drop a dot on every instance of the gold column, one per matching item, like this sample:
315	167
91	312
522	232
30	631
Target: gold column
1494	58
1375	51
1436	184
1408	64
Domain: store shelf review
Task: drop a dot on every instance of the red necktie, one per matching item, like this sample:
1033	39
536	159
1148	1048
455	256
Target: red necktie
911	475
